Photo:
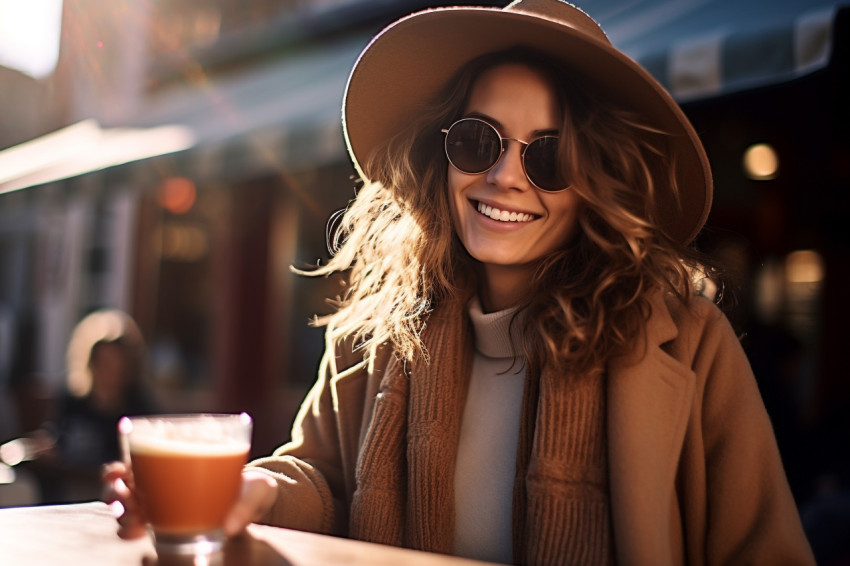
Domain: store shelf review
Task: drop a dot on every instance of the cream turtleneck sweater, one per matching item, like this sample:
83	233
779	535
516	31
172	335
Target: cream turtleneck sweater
486	464
489	434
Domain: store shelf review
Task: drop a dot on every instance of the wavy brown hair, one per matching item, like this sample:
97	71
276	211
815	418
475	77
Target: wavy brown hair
587	302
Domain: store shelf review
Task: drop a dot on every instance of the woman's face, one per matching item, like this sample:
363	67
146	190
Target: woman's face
520	103
109	368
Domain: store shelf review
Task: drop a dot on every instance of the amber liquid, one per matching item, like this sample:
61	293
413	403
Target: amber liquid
187	493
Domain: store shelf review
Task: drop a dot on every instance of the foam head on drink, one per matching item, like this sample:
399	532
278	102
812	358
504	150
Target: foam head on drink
185	481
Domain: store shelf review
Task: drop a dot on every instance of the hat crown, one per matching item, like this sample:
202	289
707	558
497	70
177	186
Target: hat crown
562	12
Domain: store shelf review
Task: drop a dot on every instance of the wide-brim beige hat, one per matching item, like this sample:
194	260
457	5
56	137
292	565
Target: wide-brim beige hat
407	64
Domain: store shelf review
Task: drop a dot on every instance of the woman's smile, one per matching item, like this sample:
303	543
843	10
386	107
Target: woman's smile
503	214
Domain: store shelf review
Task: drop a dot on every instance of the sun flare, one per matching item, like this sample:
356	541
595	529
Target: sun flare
29	35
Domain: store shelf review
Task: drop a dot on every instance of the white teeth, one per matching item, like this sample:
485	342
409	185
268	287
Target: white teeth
503	215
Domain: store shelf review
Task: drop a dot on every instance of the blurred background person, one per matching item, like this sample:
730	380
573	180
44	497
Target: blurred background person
106	379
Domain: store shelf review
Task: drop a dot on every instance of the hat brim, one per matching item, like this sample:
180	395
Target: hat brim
407	64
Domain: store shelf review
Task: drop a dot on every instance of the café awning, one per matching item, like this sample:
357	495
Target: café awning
285	114
705	48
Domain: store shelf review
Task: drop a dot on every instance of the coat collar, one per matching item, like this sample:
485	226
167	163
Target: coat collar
650	396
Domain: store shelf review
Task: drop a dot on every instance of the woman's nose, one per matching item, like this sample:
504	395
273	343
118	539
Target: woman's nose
508	171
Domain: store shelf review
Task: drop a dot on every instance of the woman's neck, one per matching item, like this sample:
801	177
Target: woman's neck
503	286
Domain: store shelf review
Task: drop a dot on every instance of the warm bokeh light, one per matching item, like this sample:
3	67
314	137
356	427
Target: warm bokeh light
176	195
804	266
29	35
180	242
761	162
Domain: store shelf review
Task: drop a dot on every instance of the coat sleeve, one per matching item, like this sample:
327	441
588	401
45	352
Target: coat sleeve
309	470
751	516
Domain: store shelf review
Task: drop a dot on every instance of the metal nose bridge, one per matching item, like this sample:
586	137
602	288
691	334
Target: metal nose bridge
523	142
503	145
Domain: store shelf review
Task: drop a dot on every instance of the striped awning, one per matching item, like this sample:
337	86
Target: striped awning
705	48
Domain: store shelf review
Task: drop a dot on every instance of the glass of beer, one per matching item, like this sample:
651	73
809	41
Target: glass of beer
186	472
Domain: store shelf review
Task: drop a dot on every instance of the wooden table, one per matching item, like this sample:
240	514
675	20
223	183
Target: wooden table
84	533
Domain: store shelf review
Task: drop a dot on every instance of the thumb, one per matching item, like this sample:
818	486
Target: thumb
258	495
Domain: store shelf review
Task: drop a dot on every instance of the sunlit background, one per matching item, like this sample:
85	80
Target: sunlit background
29	35
173	158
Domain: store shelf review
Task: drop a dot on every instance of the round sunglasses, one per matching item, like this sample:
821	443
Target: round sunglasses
474	146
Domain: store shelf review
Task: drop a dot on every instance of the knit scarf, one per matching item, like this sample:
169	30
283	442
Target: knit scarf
405	473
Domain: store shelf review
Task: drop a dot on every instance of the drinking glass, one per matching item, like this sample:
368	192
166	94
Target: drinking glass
186	472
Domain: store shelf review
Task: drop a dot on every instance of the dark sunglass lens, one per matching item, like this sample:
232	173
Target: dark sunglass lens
473	146
541	164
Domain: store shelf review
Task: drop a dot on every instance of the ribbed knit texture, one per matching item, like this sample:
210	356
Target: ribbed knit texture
567	479
405	474
381	465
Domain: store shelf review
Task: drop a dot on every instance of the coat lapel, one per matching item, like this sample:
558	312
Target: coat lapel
650	398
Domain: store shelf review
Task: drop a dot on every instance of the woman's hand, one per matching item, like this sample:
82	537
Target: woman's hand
256	498
259	491
117	493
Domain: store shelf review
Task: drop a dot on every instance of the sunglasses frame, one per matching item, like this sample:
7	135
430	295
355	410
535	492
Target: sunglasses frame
502	140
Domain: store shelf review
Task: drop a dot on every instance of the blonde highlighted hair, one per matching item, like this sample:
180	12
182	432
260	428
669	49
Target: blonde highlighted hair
588	301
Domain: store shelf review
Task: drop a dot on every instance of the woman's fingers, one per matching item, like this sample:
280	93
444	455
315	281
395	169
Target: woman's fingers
118	495
258	495
111	472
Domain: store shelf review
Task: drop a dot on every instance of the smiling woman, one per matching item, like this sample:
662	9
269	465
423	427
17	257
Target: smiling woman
29	35
520	369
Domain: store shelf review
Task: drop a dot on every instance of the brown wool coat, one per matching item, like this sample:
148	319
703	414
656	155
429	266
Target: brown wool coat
694	472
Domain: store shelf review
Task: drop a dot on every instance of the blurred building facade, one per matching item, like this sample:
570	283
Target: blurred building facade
200	155
193	154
